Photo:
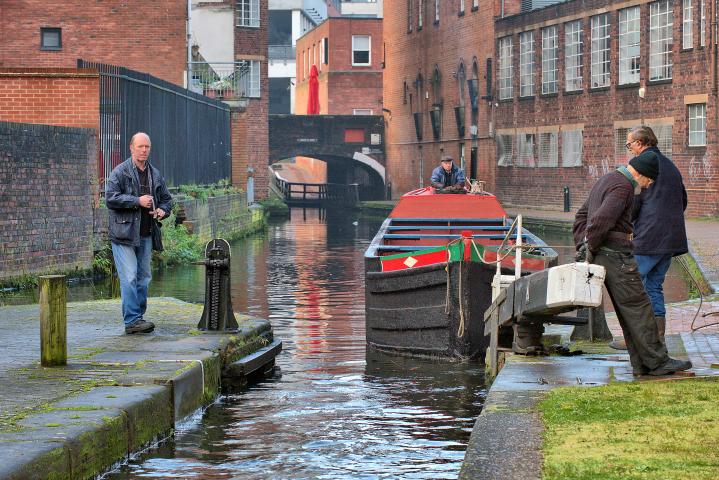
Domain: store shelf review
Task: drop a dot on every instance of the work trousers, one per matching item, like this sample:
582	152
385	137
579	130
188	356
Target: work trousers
633	308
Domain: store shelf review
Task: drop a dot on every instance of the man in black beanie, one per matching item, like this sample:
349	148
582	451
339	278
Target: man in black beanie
603	235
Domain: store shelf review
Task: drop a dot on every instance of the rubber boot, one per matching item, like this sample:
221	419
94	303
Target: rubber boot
662	327
618	344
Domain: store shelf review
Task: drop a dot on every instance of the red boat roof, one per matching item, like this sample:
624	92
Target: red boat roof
425	203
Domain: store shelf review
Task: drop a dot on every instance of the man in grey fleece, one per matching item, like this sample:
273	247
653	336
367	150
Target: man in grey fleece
603	234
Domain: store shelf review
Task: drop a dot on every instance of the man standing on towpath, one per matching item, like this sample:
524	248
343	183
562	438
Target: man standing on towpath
136	195
603	235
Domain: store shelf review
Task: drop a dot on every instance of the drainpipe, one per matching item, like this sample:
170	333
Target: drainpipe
189	42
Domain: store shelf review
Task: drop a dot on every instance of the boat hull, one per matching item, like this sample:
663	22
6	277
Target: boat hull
428	311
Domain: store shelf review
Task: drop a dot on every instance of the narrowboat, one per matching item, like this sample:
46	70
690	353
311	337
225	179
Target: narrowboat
429	272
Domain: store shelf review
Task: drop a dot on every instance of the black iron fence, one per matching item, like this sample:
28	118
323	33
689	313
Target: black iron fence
317	193
190	133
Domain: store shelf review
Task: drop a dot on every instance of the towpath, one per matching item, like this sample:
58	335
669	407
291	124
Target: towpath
117	393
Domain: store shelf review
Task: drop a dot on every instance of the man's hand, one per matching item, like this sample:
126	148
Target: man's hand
146	201
158	213
584	254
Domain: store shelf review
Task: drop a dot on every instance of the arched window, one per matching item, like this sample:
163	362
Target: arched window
436	86
461	79
473	84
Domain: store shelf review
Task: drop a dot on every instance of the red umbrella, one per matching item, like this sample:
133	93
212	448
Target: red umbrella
313	99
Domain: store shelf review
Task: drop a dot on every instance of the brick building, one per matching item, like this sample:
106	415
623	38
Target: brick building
348	54
572	78
438	58
132	33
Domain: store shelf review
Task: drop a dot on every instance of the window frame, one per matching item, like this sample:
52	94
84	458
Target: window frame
355	110
50	48
526	65
576	44
252	17
702	23
505	71
629	46
687	25
693	121
550	60
369	51
600	51
661	41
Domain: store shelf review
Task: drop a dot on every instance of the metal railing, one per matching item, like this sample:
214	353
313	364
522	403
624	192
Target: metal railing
225	80
190	133
317	193
281	52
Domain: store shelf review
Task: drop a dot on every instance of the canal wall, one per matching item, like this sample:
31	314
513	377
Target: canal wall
47	192
118	393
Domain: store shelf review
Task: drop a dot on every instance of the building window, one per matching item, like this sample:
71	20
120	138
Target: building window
325	51
461	156
548	149
697	125
572	148
573	55
247	78
505	149
248	13
361	111
461	7
526	64
687	34
525	150
703	23
50	39
550	53
600	51
420	13
409	15
629	45
361	49
505	73
475	4
660	40
663	132
436	11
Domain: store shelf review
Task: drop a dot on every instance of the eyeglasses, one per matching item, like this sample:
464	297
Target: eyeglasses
628	144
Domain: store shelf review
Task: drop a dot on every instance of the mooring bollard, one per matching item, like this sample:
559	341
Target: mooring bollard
53	320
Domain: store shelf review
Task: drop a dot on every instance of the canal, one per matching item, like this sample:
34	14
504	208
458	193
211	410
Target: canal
333	410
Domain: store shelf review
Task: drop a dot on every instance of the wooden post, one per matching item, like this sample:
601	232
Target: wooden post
53	320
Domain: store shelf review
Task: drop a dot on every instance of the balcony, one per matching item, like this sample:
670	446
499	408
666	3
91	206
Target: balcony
281	52
227	81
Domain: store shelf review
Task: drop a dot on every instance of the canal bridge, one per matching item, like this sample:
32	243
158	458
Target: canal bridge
352	146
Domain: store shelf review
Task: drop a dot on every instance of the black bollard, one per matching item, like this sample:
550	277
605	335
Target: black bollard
566	199
218	314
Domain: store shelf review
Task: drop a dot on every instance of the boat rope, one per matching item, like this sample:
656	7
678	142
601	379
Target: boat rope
448	294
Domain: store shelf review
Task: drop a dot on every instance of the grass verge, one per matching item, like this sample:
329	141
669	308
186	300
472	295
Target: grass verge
647	430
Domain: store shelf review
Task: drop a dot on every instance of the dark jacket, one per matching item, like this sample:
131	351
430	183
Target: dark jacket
659	213
442	179
607	209
122	197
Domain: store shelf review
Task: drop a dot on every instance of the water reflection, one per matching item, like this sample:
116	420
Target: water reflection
334	413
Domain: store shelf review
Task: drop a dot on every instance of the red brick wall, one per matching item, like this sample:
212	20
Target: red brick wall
456	38
343	87
63	97
138	34
250	139
602	111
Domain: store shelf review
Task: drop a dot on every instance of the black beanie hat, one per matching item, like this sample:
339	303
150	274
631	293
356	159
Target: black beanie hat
647	164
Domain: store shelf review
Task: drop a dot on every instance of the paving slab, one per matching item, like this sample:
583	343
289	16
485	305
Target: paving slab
117	393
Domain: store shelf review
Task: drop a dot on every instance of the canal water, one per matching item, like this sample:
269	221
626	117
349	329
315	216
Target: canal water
335	411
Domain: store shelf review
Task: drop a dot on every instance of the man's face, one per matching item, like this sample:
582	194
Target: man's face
140	148
447	166
633	145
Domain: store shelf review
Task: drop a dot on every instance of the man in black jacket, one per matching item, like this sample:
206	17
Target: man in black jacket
603	233
659	229
135	195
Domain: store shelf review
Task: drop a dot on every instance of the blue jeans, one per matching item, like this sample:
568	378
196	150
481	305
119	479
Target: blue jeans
653	269
133	269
